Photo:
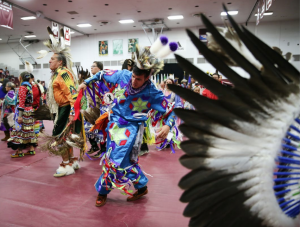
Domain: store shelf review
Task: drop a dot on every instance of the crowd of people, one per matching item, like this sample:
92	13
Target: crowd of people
115	124
119	112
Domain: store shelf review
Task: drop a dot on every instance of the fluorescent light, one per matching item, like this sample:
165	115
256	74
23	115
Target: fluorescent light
178	17
266	14
30	36
0	39
84	25
230	13
28	18
126	21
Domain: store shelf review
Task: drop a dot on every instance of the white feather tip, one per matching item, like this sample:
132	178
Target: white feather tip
42	53
28	67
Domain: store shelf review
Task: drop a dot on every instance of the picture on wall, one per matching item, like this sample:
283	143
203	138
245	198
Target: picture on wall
118	46
131	44
103	48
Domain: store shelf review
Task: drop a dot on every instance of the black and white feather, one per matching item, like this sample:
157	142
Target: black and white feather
243	149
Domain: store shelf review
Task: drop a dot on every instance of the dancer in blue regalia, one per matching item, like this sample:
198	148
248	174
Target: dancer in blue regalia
134	96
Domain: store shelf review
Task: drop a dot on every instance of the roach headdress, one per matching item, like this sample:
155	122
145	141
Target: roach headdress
243	149
58	47
148	57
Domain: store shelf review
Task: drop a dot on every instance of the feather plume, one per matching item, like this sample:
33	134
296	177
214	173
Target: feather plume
158	44
62	39
28	67
235	41
81	74
243	148
147	61
42	54
91	114
167	49
52	38
42	113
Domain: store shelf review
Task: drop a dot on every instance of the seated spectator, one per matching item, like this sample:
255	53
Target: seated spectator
207	93
197	89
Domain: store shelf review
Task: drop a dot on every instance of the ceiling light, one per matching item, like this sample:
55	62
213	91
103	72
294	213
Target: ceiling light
84	25
0	39
126	21
175	17
266	14
30	36
28	18
230	13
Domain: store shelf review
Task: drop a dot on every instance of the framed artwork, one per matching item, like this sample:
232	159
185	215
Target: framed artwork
118	46
103	48
131	44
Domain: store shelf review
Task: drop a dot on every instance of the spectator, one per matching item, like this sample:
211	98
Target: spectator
207	93
193	83
2	74
128	64
44	86
220	78
3	89
41	87
197	89
184	83
162	86
45	92
8	108
189	86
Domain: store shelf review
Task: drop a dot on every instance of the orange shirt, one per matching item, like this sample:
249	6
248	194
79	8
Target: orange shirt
64	87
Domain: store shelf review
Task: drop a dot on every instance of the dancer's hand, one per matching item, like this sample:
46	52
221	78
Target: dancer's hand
20	120
163	132
81	86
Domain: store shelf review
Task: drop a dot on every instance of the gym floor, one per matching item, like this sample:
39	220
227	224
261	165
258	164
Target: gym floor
31	196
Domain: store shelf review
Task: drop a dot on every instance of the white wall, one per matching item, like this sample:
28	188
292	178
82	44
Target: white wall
284	35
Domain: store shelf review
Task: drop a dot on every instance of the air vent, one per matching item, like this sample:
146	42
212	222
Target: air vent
21	66
106	63
172	60
190	60
114	63
37	66
104	22
72	12
296	57
46	66
201	60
